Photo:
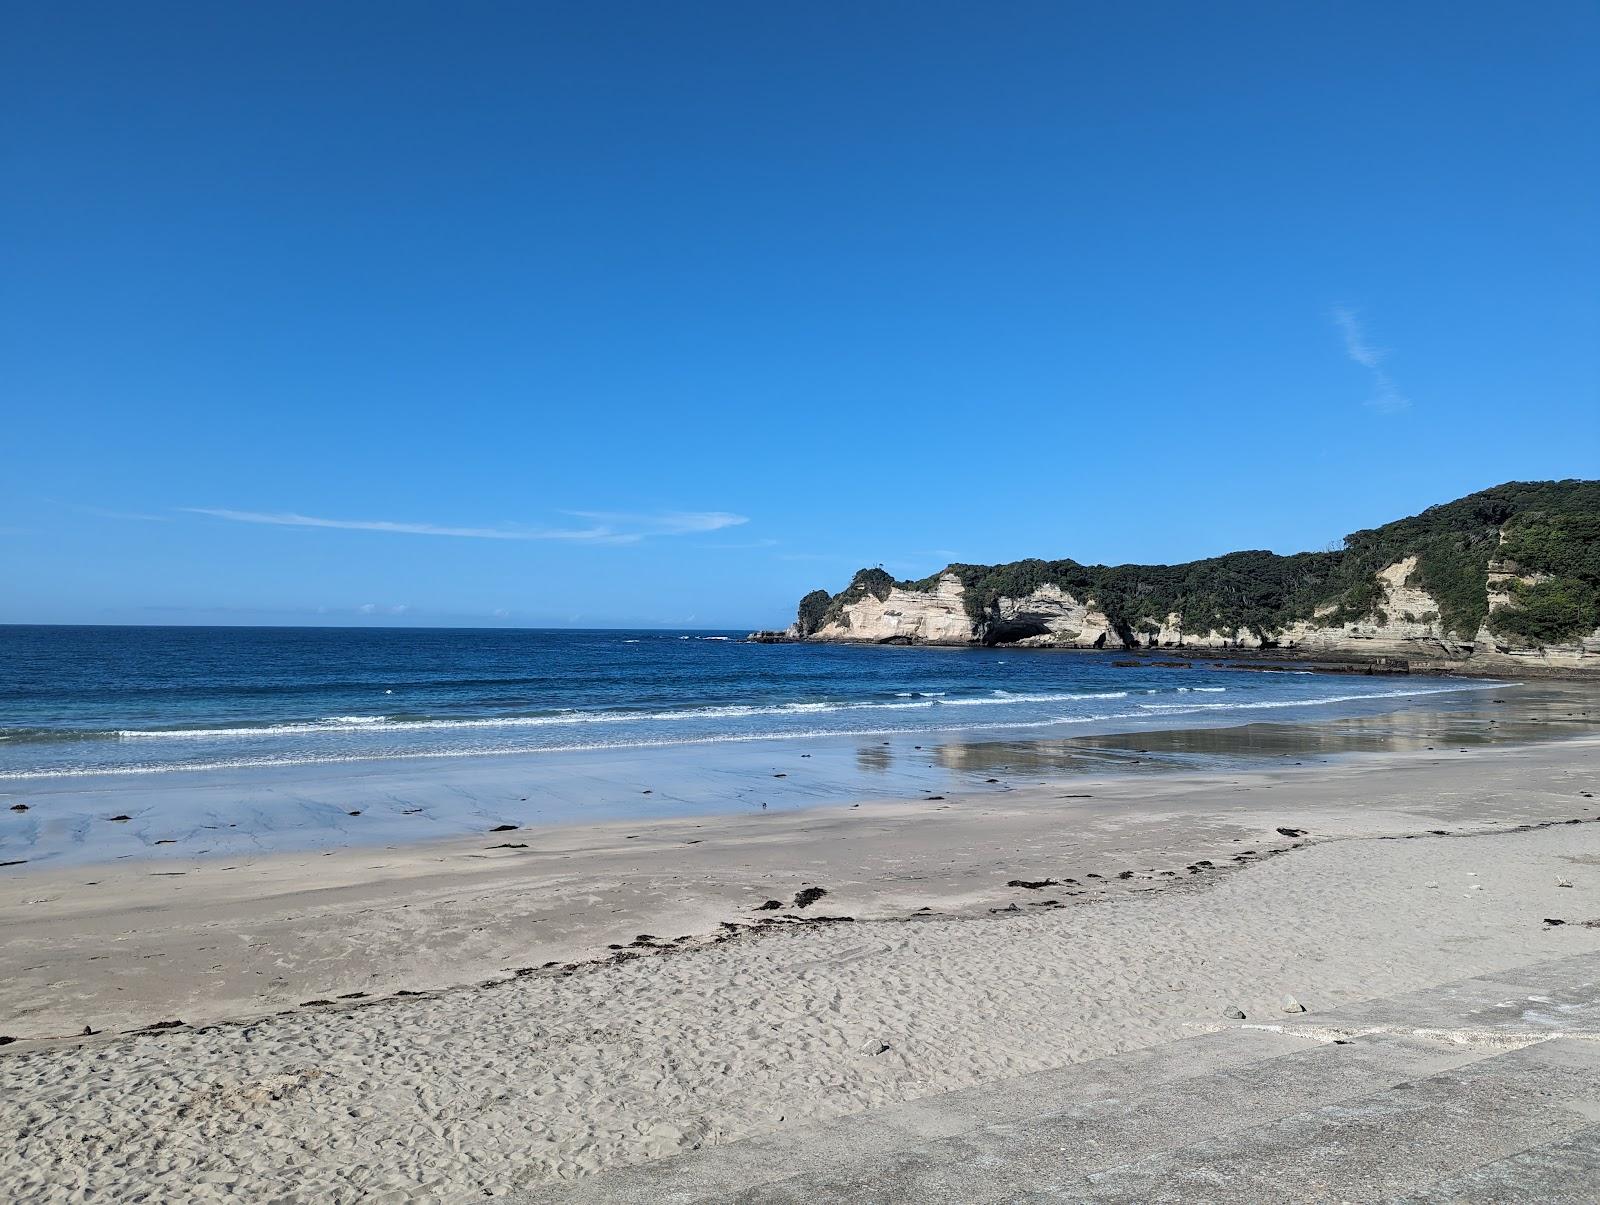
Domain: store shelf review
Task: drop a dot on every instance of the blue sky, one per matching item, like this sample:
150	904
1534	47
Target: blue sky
667	313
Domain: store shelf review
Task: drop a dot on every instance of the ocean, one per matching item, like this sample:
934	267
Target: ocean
90	702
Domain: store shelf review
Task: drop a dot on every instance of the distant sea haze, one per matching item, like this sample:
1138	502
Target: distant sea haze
117	701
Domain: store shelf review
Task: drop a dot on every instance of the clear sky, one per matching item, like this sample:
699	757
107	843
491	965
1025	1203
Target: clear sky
639	313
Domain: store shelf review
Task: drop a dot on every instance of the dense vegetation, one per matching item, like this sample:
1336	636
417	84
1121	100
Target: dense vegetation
1551	530
1559	547
1454	544
1258	590
813	611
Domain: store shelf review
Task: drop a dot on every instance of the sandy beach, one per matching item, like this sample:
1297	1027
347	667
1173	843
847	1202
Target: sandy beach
875	603
470	1016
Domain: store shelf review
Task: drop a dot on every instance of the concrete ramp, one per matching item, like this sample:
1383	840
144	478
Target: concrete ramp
1481	1090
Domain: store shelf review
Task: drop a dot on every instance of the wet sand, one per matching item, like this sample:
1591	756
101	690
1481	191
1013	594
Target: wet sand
242	814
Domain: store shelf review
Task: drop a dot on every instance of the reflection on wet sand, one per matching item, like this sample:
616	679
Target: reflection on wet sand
876	758
245	812
1520	715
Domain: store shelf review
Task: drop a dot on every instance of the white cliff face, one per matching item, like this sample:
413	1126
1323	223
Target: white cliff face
938	616
1405	624
1051	617
1171	634
1048	617
1500	651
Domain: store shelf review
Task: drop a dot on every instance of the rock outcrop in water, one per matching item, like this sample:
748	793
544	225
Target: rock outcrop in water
1505	579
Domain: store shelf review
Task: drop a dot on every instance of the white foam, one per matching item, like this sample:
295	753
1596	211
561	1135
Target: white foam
1263	704
381	725
332	724
599	746
1008	697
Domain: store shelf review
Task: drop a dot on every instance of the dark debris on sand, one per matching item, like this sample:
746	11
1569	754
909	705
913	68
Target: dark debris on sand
807	896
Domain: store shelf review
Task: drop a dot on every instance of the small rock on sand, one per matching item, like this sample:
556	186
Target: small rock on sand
808	895
1233	1014
1290	1005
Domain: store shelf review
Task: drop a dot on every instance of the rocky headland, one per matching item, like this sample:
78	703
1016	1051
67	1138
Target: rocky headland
1506	580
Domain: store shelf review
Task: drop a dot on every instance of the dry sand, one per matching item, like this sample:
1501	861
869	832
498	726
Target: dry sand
468	1090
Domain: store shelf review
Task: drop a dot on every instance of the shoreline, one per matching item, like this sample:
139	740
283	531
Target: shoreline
244	812
210	939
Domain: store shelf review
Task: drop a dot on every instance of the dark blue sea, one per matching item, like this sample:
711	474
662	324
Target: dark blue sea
120	700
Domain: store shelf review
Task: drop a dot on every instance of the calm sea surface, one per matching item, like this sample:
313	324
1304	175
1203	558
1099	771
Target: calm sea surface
111	701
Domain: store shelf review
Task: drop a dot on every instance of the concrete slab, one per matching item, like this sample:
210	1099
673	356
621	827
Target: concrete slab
1557	997
1399	1141
1559	1173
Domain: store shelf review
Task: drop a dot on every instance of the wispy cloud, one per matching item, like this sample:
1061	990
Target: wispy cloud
291	519
667	523
1386	395
604	529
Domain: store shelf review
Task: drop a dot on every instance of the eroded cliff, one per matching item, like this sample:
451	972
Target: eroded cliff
1440	587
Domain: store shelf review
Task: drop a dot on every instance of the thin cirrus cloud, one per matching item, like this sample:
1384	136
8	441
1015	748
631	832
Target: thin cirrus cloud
605	527
1386	394
667	523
